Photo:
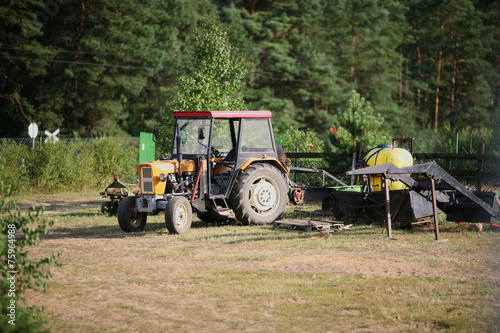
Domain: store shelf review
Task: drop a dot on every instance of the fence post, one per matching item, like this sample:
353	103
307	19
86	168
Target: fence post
353	166
480	167
296	150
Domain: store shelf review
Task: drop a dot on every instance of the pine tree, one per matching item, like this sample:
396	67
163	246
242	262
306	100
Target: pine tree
109	66
290	75
20	70
112	56
451	42
358	124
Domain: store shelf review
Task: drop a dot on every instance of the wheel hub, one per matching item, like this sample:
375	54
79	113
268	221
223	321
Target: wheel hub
181	216
263	195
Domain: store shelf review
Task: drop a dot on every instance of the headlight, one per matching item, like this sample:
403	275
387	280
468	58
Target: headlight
162	177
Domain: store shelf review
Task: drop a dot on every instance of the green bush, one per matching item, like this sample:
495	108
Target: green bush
68	166
113	155
14	158
62	166
19	230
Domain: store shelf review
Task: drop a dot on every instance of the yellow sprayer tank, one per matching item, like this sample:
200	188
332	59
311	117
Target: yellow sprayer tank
398	156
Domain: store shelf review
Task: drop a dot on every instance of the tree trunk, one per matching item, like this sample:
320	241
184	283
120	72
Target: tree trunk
436	109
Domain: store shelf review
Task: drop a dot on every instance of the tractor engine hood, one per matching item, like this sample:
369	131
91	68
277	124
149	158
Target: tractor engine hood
149	174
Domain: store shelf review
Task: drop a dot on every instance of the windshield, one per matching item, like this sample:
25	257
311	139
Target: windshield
189	130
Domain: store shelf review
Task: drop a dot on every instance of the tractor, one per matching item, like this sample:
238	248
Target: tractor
218	162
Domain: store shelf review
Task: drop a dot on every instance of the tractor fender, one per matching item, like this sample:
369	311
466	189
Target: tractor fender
273	161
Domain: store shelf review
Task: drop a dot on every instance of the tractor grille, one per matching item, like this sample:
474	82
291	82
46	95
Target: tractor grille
147	185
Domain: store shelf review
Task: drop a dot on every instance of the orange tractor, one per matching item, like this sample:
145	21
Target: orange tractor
220	161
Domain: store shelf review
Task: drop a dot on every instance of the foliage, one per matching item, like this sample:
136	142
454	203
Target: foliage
107	68
465	141
113	155
357	125
447	53
76	165
302	141
13	161
30	273
295	140
213	79
100	68
61	165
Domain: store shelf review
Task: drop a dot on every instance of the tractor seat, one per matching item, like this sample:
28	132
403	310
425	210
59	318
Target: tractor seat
225	163
229	160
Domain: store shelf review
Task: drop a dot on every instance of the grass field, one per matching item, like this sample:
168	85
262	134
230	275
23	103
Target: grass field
220	278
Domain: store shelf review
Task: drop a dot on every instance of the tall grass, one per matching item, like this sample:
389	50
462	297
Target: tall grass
67	166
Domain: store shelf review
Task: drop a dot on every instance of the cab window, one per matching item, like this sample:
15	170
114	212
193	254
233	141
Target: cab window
256	135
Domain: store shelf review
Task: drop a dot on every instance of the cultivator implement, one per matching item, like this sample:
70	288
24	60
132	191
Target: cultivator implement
116	191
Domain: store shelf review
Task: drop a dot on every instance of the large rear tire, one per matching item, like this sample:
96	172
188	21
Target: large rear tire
259	194
178	215
129	218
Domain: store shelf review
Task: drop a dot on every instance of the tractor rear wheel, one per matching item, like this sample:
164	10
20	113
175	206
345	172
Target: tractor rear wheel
178	215
259	194
129	218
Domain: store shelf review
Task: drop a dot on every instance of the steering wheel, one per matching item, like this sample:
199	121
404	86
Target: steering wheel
214	152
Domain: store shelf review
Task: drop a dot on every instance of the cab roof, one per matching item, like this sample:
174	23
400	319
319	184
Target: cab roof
223	114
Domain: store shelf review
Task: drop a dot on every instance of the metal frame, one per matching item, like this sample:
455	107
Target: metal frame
435	174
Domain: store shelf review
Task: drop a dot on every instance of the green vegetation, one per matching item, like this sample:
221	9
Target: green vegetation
19	231
109	68
356	126
77	166
213	79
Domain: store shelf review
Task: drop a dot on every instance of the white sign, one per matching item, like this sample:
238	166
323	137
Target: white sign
52	136
33	130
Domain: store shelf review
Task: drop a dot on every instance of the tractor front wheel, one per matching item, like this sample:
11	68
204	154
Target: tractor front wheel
129	218
178	215
259	195
106	207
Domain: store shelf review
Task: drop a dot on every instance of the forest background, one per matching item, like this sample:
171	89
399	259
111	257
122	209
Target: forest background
109	68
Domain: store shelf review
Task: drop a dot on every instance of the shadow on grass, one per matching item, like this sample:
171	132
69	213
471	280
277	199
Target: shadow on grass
114	231
159	228
104	231
80	214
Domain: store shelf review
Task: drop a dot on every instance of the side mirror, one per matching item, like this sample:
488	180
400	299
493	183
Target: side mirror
156	133
201	133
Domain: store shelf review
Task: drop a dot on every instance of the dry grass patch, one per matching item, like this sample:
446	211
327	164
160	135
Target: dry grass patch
256	279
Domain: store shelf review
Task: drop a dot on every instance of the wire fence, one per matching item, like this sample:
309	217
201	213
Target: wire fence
38	141
476	171
473	142
474	160
472	157
28	165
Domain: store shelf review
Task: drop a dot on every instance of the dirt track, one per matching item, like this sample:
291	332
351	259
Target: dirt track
59	205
